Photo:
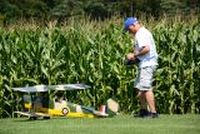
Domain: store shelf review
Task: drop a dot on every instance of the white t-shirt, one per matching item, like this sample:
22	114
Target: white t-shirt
143	37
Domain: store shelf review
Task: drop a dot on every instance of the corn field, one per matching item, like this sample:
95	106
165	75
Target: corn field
92	52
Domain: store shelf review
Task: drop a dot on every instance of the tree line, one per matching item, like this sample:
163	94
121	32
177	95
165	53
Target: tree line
13	10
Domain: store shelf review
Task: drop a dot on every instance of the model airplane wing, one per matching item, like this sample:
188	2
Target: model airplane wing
64	87
44	88
32	114
32	89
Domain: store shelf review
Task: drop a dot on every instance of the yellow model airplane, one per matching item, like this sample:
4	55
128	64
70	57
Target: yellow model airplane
39	104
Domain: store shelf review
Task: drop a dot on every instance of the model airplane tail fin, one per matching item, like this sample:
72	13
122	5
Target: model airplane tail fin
112	107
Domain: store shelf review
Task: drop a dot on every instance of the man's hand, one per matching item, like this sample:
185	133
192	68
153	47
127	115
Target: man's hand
131	59
131	56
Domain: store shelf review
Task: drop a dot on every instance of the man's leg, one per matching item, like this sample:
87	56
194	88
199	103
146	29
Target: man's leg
151	103
150	100
142	99
146	78
143	104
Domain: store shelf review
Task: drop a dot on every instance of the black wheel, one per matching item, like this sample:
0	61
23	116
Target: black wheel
65	111
33	118
46	117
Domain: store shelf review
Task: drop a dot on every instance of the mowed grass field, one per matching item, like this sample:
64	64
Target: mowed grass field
122	124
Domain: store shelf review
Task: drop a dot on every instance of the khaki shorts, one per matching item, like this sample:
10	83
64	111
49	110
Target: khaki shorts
144	79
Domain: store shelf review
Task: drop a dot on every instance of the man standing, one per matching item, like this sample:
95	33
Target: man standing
144	51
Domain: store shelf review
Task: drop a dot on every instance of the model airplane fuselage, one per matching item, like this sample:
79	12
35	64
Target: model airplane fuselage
39	104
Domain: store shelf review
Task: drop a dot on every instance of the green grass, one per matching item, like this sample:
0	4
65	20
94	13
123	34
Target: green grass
166	124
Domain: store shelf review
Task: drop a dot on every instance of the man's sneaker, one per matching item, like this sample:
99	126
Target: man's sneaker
142	113
154	115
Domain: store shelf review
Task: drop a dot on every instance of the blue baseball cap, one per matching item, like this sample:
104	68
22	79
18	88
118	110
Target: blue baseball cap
130	21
